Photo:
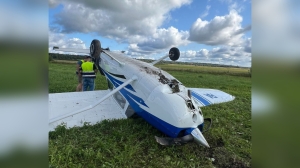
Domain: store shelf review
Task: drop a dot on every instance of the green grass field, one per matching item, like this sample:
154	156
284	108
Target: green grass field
207	69
131	143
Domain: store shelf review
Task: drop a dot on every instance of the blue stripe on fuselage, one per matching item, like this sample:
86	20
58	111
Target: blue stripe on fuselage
201	99
116	82
161	125
125	93
129	95
135	102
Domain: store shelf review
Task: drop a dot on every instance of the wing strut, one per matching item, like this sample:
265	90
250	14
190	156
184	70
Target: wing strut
95	104
120	63
155	62
174	54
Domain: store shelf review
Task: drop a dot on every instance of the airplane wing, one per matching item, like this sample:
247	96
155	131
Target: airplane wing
61	104
75	108
85	51
75	50
206	97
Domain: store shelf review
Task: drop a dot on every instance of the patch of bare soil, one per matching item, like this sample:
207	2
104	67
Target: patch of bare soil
224	158
150	71
162	79
174	85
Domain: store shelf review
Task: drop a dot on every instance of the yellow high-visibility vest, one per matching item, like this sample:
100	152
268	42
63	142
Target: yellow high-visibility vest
87	69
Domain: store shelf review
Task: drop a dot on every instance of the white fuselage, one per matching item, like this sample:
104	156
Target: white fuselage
151	95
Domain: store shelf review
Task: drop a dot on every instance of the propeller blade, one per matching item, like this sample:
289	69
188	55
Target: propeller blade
174	141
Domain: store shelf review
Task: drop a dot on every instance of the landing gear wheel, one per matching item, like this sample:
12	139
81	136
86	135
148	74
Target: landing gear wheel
95	48
174	54
95	51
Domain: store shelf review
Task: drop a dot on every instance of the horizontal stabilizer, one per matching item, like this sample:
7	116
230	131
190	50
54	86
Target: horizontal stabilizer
206	97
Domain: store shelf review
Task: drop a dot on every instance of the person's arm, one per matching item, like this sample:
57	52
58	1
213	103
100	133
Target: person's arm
78	65
95	68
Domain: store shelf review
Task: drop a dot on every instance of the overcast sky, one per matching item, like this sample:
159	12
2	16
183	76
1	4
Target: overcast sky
206	31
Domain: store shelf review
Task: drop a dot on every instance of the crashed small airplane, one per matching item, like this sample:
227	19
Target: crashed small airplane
137	88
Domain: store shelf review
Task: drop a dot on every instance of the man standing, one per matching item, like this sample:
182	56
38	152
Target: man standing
78	66
88	72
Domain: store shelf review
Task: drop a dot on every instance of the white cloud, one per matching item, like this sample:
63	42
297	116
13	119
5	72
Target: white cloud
219	31
189	53
206	12
160	40
227	55
204	52
236	6
243	30
138	23
116	20
134	22
60	40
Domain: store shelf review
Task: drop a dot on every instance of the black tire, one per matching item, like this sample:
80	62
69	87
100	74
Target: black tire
174	54
95	48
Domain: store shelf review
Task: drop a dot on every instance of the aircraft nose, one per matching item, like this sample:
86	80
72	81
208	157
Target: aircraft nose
199	138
